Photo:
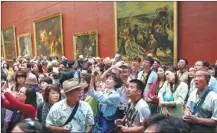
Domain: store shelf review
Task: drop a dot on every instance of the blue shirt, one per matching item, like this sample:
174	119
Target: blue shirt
108	102
152	77
213	84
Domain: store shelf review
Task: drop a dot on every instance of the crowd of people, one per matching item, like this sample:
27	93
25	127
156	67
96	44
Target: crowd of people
97	95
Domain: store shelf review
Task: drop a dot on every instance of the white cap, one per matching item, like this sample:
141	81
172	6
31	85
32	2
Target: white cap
80	56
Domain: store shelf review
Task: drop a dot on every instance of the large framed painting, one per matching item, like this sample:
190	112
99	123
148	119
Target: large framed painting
25	45
85	44
48	36
9	43
146	28
2	48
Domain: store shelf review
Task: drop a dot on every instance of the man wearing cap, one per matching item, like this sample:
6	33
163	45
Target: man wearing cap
61	111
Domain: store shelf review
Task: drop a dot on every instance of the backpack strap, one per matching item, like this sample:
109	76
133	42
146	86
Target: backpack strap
200	101
72	114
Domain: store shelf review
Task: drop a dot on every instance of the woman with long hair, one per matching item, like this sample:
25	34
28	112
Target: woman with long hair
155	87
23	106
172	95
20	78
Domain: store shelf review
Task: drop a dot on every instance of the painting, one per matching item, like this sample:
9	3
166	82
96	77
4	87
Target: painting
48	36
85	44
146	28
25	45
9	43
2	48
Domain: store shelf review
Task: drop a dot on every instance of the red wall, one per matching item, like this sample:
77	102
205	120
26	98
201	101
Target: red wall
197	31
77	17
196	25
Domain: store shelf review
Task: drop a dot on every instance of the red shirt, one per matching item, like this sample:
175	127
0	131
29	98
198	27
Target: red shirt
151	93
11	103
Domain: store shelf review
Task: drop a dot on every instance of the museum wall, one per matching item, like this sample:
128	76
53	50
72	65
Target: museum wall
197	27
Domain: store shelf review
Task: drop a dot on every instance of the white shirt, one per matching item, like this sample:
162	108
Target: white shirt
60	112
137	115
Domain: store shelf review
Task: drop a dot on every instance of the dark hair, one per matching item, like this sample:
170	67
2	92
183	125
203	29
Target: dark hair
211	67
50	69
101	67
15	66
3	75
28	64
177	81
87	78
116	78
150	59
186	61
7	65
65	75
158	78
30	96
107	66
19	74
168	124
47	92
157	61
124	67
31	126
205	63
40	70
215	71
139	85
48	80
50	58
136	58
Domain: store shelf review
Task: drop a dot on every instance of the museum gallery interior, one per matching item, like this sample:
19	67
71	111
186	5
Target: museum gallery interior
167	30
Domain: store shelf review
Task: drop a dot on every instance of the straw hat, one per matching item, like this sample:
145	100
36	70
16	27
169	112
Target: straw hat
72	84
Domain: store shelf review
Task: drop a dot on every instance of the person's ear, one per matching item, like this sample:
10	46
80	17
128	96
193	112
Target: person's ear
139	92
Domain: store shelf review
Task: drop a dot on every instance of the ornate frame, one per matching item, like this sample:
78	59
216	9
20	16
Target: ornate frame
82	34
175	42
44	19
18	41
3	41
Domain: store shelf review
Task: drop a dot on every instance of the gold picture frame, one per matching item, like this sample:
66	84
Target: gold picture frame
135	22
82	43
25	45
2	48
9	43
48	36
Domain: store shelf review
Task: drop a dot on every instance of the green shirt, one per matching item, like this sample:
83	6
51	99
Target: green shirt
179	98
93	104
